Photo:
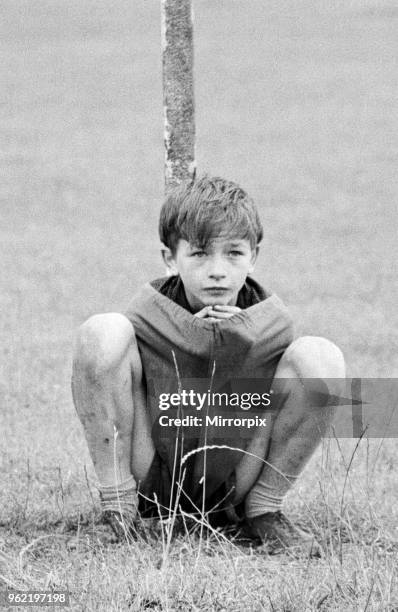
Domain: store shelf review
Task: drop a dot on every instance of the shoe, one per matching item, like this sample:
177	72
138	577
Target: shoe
278	534
122	525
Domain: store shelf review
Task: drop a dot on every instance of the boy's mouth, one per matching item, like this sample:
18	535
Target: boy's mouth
216	290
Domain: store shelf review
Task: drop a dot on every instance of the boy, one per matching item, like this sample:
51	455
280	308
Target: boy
206	327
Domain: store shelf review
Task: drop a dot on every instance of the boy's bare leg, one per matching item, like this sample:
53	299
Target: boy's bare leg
298	428
110	401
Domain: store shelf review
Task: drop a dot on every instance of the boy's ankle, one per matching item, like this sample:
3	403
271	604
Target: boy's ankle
119	505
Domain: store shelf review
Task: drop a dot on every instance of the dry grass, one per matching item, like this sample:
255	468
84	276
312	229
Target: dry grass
295	101
63	545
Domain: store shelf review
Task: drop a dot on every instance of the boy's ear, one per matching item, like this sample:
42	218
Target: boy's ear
253	259
169	260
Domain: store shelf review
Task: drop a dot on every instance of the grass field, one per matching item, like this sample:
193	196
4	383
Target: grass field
297	101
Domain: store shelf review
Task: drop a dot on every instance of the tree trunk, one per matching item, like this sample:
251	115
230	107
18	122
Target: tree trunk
178	95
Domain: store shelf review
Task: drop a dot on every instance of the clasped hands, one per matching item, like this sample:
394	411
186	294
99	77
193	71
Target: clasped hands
217	312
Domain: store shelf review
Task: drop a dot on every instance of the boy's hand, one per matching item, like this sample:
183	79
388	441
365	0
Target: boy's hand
217	312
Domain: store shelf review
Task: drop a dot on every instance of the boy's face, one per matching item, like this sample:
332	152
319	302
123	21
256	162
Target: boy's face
215	274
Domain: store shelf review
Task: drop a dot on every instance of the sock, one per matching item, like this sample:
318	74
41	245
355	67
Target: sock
121	497
266	497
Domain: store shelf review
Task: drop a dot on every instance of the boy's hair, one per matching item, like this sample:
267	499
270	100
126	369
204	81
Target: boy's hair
203	209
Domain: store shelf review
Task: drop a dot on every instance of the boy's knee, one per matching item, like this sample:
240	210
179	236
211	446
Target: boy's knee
102	343
315	357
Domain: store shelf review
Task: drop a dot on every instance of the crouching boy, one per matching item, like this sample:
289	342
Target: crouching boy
207	327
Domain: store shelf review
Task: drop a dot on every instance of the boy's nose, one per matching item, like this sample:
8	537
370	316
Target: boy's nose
216	269
217	276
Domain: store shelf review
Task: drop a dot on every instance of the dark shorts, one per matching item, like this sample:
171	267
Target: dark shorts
157	501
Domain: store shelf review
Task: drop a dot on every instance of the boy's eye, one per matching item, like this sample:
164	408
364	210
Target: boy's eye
198	253
235	253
